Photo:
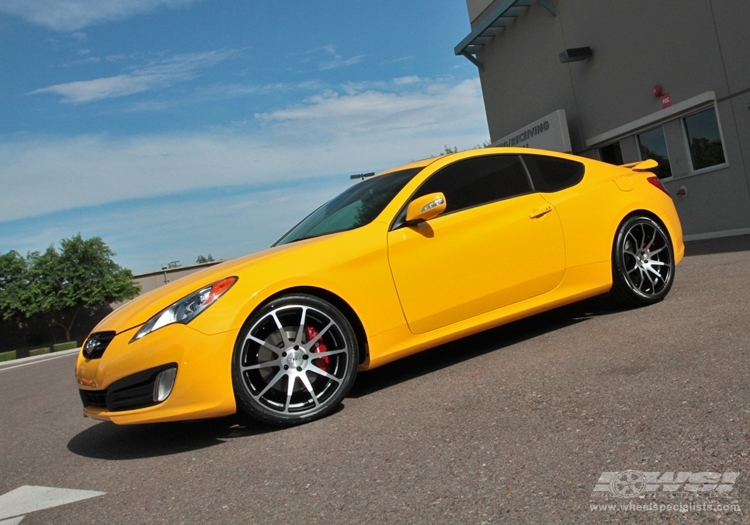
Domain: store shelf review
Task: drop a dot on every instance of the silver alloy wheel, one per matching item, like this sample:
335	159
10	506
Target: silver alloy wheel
643	265
646	258
296	361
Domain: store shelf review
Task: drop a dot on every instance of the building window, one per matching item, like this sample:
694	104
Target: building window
611	153
653	145
704	140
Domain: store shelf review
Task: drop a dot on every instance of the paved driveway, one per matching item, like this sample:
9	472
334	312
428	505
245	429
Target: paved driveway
534	422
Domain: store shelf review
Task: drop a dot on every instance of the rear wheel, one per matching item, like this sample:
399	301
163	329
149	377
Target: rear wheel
295	361
642	262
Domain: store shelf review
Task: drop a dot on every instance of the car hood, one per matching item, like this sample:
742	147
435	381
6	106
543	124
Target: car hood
136	312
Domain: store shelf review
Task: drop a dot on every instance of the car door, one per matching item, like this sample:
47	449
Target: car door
496	244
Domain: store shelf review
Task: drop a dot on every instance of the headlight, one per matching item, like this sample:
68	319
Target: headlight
186	309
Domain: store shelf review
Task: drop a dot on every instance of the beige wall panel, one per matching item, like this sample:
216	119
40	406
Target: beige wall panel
731	18
524	79
637	44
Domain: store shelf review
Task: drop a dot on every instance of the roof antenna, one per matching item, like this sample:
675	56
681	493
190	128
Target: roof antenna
361	176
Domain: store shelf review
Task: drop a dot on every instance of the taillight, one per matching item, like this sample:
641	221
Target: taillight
656	182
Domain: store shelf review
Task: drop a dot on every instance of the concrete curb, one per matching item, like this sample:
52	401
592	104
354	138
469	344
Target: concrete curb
43	357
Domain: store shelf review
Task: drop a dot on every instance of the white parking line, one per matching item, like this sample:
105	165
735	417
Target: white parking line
30	498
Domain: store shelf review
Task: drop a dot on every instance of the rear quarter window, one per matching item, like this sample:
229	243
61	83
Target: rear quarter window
550	174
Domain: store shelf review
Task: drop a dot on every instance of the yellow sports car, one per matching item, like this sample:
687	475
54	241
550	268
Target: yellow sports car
402	261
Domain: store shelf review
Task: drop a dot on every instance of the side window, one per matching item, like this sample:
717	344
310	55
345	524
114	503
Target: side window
552	174
611	153
653	145
704	140
477	181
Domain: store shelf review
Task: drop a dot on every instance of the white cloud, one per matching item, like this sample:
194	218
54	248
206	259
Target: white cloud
147	234
403	81
338	62
82	62
117	58
71	15
330	133
328	58
157	74
438	107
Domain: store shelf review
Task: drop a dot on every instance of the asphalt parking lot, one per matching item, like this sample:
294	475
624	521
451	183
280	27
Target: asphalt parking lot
521	424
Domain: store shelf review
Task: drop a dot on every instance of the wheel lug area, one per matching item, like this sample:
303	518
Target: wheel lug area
294	358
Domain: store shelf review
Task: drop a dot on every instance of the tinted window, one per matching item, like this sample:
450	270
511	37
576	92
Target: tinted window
653	145
552	174
611	153
357	206
473	182
704	138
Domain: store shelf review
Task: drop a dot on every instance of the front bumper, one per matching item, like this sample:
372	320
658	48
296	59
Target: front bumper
123	376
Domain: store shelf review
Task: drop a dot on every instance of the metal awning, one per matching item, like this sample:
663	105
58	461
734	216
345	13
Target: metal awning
491	25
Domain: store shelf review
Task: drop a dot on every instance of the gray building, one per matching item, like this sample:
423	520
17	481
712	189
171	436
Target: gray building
627	80
153	280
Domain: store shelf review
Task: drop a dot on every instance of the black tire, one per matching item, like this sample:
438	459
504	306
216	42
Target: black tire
642	262
278	376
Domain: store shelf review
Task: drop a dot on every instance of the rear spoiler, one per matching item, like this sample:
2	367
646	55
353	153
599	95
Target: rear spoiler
641	165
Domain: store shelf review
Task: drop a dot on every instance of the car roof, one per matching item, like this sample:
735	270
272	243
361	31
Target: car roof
477	152
415	164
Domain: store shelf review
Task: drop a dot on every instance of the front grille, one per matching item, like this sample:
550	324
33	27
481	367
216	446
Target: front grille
93	398
96	344
129	393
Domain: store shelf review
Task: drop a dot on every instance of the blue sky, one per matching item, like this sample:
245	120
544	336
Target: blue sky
175	128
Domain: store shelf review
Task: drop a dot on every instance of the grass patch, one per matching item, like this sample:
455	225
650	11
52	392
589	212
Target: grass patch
7	356
39	351
70	345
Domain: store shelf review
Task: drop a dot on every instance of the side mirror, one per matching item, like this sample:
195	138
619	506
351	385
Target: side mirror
425	208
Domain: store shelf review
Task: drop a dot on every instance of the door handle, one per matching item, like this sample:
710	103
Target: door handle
540	212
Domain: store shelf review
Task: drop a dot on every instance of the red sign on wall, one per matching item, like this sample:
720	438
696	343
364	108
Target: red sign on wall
666	100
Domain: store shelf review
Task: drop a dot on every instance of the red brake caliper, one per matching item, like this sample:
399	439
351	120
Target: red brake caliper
318	347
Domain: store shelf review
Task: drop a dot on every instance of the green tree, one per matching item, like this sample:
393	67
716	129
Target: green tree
14	287
448	151
201	259
58	285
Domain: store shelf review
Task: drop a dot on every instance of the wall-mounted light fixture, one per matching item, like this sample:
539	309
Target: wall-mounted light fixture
575	54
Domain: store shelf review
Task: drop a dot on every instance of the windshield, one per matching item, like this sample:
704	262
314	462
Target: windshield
357	206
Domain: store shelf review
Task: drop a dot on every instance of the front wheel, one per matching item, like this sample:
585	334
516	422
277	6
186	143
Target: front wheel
642	262
295	361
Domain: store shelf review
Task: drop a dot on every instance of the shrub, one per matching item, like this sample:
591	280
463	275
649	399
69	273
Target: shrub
70	345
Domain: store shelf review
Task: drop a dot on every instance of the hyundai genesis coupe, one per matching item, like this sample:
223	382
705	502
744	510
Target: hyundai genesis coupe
401	261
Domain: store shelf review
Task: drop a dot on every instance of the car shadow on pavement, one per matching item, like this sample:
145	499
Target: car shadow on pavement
479	344
113	442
